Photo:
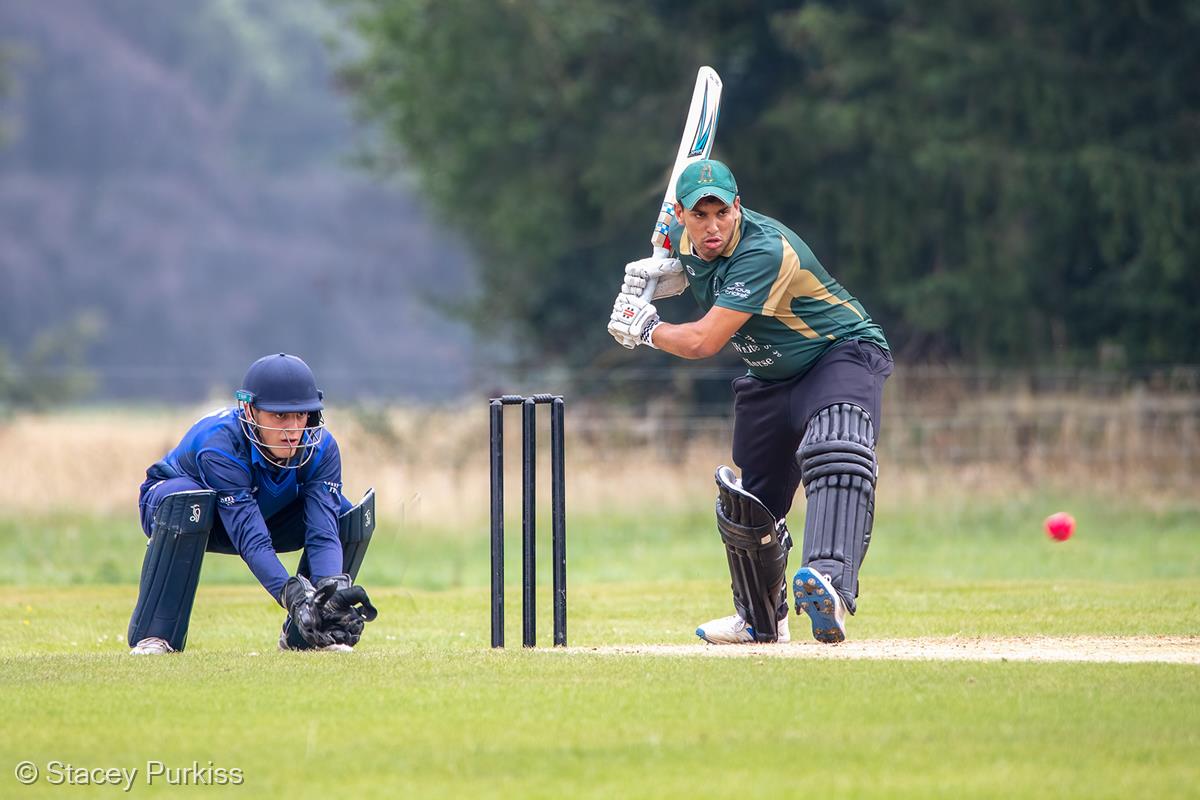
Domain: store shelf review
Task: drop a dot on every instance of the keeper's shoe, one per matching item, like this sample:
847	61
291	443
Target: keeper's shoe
293	641
816	597
151	646
734	630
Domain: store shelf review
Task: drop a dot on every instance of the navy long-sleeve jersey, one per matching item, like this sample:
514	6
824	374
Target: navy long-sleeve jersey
216	454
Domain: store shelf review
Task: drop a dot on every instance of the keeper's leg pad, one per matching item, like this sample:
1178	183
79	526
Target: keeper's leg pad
171	567
839	469
355	527
756	546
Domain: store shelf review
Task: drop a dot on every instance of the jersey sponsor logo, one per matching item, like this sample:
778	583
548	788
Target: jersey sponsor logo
237	497
736	289
766	362
746	344
334	487
195	517
689	269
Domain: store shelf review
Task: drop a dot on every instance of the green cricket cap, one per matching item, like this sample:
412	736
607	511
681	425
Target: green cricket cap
707	178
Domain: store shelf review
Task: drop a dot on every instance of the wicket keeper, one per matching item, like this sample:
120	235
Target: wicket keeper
807	411
255	480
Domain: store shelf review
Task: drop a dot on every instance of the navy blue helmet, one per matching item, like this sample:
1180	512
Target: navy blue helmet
281	384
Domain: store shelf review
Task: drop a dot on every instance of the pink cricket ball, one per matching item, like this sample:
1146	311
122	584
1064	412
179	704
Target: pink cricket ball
1060	526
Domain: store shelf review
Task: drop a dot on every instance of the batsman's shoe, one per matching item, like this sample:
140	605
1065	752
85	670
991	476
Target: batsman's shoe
151	646
734	630
816	597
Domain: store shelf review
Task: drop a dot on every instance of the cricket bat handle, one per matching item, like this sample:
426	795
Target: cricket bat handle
661	229
652	283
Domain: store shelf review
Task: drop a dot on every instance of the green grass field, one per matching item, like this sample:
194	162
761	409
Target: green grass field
425	709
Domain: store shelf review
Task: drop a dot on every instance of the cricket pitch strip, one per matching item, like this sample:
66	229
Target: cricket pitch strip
1096	649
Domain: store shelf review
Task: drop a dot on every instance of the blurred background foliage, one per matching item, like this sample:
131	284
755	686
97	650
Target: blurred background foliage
1001	182
181	174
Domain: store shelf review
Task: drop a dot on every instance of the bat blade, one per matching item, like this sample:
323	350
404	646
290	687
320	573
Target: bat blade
699	133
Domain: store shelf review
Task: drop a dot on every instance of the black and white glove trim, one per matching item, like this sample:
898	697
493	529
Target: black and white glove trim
647	336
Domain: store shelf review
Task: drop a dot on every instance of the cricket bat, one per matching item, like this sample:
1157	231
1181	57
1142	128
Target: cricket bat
699	133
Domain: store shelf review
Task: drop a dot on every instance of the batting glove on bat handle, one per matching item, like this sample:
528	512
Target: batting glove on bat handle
630	317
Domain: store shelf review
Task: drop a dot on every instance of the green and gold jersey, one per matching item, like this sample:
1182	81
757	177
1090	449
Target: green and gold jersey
799	310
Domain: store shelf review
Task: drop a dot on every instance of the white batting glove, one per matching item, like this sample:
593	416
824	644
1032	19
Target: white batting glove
628	342
632	321
666	274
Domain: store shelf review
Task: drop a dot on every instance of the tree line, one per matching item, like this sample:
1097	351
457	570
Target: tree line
1001	182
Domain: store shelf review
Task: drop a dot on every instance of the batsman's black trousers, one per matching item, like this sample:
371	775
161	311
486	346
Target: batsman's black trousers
769	417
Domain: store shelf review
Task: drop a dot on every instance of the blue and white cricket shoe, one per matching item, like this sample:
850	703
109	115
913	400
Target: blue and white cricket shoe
734	630
816	597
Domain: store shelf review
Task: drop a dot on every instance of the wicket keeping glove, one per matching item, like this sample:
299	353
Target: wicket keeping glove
344	608
299	598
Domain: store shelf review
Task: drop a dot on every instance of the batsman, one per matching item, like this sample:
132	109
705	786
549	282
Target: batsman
255	480
807	411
